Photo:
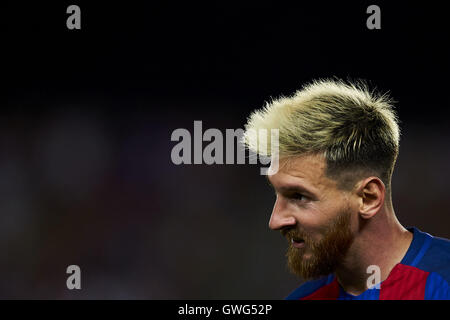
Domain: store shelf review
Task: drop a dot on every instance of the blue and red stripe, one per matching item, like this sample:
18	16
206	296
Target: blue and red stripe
421	275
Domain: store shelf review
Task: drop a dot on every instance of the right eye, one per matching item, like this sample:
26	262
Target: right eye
297	197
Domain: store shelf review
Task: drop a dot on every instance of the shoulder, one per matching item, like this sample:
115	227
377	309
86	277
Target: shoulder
436	288
309	288
437	258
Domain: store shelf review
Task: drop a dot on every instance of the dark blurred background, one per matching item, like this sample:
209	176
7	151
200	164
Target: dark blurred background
86	118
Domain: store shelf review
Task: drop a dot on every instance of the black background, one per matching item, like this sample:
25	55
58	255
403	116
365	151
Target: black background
86	119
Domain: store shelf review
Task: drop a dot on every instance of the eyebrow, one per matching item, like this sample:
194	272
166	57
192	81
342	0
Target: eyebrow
292	188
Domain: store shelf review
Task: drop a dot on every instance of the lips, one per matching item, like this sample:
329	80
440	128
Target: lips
298	243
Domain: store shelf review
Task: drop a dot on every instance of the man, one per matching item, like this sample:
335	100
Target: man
338	144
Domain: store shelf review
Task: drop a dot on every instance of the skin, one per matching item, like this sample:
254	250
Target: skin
308	200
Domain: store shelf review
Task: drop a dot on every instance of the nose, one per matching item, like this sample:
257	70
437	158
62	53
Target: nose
281	216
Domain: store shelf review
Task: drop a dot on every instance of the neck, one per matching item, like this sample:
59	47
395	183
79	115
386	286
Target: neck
381	241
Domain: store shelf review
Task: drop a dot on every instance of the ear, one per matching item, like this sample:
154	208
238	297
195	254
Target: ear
371	192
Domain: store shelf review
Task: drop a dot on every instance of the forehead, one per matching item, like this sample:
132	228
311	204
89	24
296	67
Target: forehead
306	170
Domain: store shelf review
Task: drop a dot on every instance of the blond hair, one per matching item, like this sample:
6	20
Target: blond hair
355	129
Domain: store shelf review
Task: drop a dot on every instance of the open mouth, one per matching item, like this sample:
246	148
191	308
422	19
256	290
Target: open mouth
298	243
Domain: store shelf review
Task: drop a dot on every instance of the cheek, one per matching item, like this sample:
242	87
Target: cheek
316	218
352	208
354	221
313	220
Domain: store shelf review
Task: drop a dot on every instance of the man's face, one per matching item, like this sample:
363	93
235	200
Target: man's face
315	216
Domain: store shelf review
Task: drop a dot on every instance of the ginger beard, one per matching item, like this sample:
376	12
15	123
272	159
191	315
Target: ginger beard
324	255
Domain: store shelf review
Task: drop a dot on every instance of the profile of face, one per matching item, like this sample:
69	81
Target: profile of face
316	217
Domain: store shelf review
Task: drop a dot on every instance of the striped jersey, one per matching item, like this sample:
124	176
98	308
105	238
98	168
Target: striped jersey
423	274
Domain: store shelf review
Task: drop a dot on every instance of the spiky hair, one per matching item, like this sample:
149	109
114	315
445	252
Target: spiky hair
351	126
